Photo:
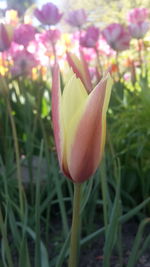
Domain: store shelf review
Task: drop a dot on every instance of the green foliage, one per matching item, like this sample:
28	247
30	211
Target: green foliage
104	12
47	195
36	199
130	119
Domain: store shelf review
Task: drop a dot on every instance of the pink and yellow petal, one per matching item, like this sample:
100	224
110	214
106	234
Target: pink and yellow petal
104	111
86	74
86	133
73	96
56	114
80	69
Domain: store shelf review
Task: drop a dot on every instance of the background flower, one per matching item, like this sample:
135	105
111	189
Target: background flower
23	63
139	29
6	36
50	37
90	37
117	36
49	14
77	18
23	34
138	14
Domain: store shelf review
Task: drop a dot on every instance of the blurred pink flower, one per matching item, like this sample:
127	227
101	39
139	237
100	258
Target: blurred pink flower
94	74
117	36
5	37
23	34
127	76
90	37
50	37
104	48
139	29
39	50
23	63
48	15
13	49
138	14
89	54
77	17
76	35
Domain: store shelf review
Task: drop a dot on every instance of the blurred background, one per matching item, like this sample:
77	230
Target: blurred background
106	10
89	36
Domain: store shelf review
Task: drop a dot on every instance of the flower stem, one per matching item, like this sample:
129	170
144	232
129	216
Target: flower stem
117	63
99	64
140	54
104	192
16	145
3	232
75	229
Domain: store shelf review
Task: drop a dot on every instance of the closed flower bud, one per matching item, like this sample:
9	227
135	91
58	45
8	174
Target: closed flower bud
49	14
79	121
6	36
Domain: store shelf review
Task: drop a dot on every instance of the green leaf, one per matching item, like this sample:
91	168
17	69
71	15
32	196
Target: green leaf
136	246
43	251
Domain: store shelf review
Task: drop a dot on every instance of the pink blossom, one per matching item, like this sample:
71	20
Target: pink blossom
104	48
127	76
13	49
48	15
89	54
117	36
76	35
90	37
50	36
138	15
5	37
23	34
39	50
23	63
77	17
94	74
139	29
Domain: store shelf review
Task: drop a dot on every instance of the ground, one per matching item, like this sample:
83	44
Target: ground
92	256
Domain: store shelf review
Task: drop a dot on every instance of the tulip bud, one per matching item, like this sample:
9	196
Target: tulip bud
23	34
48	15
79	121
90	38
138	14
6	35
117	36
77	18
139	29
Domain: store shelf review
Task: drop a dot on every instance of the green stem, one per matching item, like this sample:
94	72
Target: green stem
139	53
75	230
117	63
104	192
5	240
16	145
99	64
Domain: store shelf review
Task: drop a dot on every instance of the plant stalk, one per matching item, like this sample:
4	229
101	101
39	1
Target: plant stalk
75	229
16	145
104	192
99	64
118	67
4	240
